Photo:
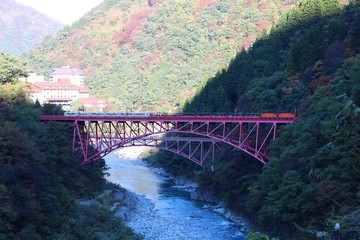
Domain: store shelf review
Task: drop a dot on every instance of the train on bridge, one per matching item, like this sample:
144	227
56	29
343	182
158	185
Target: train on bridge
149	114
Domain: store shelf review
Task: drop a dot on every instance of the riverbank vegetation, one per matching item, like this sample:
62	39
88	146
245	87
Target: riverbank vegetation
40	181
309	64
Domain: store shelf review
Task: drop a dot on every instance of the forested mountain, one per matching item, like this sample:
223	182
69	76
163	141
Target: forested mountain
22	27
151	55
40	181
308	64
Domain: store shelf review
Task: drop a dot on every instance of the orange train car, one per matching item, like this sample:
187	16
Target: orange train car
277	115
286	115
268	115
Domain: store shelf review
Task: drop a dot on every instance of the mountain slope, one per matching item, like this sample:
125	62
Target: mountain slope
41	182
151	55
308	64
22	27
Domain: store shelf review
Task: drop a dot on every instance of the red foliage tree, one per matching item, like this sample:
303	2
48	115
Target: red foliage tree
127	33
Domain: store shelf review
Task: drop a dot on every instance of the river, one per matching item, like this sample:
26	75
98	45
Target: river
165	212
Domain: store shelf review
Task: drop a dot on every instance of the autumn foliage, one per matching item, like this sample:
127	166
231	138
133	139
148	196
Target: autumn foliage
127	33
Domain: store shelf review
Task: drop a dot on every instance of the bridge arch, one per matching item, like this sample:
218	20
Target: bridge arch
249	134
197	150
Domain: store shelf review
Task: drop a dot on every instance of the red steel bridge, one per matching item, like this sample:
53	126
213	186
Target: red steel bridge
97	136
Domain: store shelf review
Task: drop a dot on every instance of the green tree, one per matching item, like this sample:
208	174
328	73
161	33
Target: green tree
10	69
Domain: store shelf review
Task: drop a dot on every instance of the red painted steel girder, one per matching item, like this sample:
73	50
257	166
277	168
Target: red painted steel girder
251	134
196	149
63	118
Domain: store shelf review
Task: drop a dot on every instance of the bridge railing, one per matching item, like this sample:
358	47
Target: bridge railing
251	134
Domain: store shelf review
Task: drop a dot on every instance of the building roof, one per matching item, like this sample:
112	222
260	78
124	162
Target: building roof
62	84
92	101
67	70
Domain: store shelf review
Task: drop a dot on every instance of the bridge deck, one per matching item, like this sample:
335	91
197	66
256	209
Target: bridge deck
99	135
169	118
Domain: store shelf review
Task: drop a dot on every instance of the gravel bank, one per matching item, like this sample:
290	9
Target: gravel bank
140	215
170	217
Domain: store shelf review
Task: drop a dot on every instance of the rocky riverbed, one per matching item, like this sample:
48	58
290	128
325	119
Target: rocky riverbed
140	215
168	211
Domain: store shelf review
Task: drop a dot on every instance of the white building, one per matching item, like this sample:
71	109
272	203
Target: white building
65	87
97	104
62	92
75	75
33	77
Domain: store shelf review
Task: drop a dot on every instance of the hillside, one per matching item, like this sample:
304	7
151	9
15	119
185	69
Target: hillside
22	27
308	64
41	182
151	55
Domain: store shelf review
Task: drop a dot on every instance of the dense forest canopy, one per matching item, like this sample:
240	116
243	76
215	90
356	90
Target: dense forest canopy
309	64
151	55
40	181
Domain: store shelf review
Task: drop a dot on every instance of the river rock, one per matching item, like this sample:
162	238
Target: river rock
220	211
123	213
140	215
144	220
118	196
86	203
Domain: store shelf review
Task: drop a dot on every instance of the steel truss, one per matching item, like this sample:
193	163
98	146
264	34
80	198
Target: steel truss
196	149
98	137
